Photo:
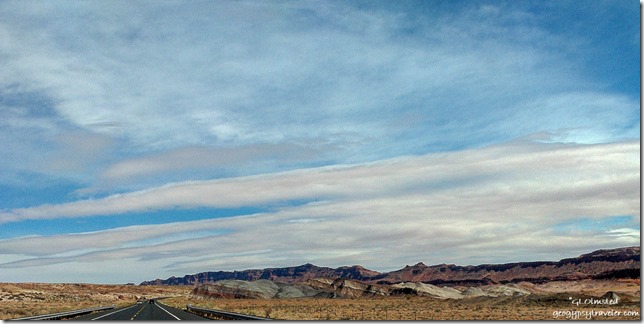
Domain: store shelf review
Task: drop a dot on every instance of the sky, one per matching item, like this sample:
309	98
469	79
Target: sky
149	139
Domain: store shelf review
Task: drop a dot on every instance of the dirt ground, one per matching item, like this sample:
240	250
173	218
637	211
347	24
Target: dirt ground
580	300
28	299
573	300
532	307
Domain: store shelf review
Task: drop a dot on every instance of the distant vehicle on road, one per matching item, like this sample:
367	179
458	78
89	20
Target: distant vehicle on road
151	301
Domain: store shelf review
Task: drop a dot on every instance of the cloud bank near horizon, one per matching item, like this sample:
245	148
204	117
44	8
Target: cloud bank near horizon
383	214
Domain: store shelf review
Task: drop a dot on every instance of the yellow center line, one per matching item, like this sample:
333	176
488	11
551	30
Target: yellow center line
137	313
120	310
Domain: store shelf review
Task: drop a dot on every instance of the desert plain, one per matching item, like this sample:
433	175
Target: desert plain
565	300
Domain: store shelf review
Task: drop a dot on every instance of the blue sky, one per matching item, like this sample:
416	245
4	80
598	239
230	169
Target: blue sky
149	139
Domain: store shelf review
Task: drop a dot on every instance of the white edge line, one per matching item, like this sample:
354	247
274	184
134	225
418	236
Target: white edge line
120	310
178	319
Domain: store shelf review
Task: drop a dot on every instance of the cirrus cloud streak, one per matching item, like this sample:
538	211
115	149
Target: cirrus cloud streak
450	206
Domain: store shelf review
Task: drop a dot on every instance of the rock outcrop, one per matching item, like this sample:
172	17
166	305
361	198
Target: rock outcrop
288	274
421	289
602	264
342	288
259	289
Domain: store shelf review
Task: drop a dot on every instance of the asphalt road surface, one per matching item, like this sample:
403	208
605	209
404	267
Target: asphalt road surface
142	312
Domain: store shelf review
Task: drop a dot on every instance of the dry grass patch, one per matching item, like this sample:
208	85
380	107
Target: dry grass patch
531	307
29	299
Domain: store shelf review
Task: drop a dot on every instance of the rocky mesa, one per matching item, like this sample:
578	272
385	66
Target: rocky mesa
288	274
601	264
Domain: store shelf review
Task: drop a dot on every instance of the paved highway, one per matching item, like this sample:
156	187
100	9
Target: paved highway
142	312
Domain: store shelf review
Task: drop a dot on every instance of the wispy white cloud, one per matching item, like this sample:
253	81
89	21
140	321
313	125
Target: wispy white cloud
448	206
199	160
608	170
234	104
373	83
